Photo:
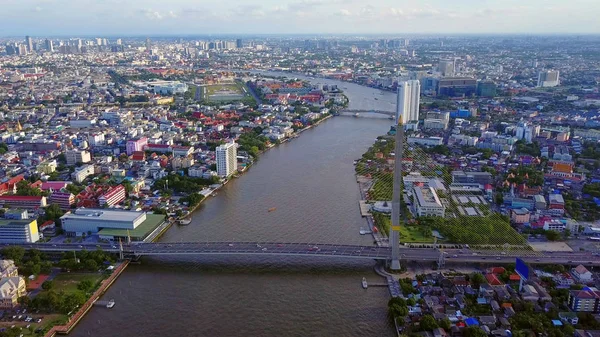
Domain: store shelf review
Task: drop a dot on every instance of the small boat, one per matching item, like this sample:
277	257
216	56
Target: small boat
110	304
185	222
376	98
364	283
272	209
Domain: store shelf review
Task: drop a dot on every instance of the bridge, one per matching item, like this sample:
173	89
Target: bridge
382	112
322	250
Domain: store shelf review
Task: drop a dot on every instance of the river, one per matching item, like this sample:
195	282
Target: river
310	181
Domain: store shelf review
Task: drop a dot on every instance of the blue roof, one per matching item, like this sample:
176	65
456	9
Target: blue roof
472	321
556	322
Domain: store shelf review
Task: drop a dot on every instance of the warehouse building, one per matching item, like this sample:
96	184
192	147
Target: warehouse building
111	224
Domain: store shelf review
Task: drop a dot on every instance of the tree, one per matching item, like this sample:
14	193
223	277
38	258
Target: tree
23	188
474	331
397	310
446	324
85	285
477	279
53	212
90	265
428	323
14	253
552	235
72	301
47	285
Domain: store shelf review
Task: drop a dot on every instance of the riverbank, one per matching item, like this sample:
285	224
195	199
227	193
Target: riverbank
73	320
245	169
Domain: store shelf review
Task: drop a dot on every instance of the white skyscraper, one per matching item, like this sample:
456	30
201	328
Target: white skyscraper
548	78
409	97
226	159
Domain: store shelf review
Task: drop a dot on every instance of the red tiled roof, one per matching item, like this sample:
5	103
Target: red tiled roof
492	279
54	185
20	198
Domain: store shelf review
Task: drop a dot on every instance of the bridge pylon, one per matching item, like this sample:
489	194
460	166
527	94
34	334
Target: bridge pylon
396	197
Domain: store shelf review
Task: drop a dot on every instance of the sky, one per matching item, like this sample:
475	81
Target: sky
201	17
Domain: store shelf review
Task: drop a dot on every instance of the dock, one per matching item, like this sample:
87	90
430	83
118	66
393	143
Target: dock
364	208
378	284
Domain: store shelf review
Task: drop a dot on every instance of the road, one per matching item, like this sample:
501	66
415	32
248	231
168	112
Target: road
323	250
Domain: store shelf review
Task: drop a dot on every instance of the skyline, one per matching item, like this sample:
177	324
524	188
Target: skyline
296	17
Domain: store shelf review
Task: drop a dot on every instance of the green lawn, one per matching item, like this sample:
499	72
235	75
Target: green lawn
68	281
411	234
214	88
225	92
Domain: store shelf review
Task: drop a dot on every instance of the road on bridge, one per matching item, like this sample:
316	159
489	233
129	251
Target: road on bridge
322	250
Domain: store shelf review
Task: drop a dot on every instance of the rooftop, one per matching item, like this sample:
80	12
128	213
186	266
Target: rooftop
426	196
103	214
142	231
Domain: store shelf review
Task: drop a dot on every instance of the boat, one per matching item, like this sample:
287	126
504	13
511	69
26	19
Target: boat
110	304
185	222
376	98
364	283
364	231
271	209
356	114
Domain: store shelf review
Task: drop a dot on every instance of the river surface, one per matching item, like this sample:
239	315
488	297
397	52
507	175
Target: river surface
310	181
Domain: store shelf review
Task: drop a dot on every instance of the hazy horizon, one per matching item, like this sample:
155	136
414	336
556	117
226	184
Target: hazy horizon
296	17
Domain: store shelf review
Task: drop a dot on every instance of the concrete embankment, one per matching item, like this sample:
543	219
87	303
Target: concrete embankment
73	320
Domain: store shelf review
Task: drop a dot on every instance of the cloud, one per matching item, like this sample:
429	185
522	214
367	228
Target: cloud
37	9
151	14
344	12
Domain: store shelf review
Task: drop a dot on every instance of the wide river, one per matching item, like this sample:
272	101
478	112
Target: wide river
310	181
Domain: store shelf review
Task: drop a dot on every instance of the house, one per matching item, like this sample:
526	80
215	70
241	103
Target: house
569	317
587	333
542	293
8	269
581	274
493	280
471	321
495	306
504	322
530	293
489	321
439	332
11	288
509	312
486	290
501	293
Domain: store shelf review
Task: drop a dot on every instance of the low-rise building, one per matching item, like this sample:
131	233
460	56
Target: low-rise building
11	288
19	231
520	215
82	173
581	274
427	202
23	201
556	204
585	300
8	269
62	199
47	167
77	156
111	224
112	197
